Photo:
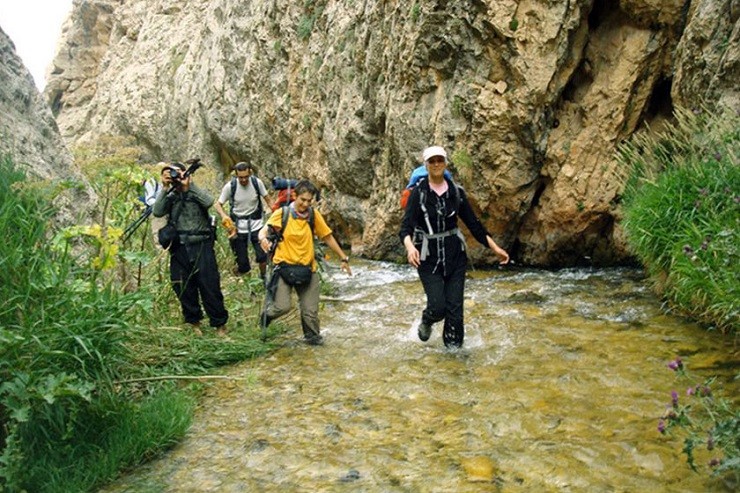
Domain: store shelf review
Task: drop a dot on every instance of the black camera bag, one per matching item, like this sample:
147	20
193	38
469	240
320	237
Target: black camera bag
167	235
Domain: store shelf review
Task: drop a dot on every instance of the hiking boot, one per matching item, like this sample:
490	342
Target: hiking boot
425	330
314	340
196	328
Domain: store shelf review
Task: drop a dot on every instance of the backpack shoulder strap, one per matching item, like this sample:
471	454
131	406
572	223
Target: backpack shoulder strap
458	195
286	213
284	219
233	194
257	193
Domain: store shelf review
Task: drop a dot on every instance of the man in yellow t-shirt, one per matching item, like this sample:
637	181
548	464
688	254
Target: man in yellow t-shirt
295	262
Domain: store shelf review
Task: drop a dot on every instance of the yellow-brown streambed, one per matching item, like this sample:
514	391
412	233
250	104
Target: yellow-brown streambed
559	388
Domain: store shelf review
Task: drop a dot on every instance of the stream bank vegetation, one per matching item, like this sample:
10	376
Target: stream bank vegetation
97	374
682	213
682	220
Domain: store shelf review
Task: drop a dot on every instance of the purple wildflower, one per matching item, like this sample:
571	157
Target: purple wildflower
661	426
718	156
674	398
705	391
677	364
714	462
692	390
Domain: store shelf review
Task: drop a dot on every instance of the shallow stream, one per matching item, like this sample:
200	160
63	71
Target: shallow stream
558	388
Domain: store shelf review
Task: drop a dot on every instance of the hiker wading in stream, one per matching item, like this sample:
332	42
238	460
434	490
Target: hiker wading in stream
436	246
291	230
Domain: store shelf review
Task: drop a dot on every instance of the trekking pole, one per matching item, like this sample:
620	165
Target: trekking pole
131	228
270	286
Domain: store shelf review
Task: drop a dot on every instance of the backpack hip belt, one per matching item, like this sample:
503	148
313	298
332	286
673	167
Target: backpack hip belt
425	237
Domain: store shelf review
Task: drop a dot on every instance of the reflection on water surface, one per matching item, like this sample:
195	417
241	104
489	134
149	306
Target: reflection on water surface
558	388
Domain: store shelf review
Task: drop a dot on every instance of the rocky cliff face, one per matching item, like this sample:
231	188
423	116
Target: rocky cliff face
29	135
28	132
531	97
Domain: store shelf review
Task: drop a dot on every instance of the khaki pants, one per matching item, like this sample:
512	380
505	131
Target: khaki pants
308	302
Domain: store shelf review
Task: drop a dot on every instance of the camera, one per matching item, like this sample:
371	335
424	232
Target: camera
174	171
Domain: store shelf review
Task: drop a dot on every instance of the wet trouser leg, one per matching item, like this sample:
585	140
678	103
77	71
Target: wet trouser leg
239	247
184	284
445	295
278	304
308	300
259	254
209	284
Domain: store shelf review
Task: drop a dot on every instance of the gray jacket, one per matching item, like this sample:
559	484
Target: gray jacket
190	210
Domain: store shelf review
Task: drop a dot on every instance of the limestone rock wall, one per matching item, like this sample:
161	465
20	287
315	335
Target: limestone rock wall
531	97
29	135
28	132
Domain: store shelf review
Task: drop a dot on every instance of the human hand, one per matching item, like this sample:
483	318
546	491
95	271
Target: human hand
412	255
503	257
265	244
229	225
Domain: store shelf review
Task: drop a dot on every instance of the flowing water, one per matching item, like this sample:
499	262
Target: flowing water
559	387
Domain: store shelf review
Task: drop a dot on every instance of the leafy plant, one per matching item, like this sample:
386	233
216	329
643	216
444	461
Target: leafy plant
415	12
682	212
462	159
709	424
89	372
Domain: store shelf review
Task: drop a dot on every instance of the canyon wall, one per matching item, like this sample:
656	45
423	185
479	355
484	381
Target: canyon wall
530	97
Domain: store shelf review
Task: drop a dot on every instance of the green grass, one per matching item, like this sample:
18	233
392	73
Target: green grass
682	213
96	377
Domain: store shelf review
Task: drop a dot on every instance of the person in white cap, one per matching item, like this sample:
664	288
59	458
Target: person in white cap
436	246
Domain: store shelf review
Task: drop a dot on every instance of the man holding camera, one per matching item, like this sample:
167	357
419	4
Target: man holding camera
244	193
193	268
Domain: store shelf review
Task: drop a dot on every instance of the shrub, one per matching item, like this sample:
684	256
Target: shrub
87	372
682	212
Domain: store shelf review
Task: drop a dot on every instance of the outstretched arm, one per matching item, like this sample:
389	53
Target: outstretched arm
503	257
332	243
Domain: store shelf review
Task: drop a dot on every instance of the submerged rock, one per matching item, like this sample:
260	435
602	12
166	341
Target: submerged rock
479	469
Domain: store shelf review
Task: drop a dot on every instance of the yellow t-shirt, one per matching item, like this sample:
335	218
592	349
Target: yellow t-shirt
297	244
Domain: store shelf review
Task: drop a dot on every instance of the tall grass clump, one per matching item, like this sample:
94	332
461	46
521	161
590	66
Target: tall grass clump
63	345
98	372
682	212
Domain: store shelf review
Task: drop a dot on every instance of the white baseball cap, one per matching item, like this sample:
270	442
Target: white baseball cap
434	151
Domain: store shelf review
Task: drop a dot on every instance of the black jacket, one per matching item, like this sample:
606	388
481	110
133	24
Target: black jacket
443	215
